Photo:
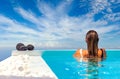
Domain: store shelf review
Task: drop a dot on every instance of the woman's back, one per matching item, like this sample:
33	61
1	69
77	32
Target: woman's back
84	53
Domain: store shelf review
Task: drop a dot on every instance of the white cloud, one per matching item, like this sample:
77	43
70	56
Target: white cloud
106	8
112	17
59	30
10	25
98	6
28	15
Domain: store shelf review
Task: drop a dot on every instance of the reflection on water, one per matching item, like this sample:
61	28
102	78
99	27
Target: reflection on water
92	69
89	69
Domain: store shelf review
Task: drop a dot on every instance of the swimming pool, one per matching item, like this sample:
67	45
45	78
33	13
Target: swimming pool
66	67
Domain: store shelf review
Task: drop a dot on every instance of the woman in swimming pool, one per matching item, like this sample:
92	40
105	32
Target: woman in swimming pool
92	47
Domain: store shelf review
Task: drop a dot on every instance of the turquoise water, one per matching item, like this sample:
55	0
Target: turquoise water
66	67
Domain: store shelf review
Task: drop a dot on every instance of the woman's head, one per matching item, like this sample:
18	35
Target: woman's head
92	42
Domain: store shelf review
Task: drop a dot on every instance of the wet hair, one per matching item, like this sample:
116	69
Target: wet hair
21	47
30	47
92	43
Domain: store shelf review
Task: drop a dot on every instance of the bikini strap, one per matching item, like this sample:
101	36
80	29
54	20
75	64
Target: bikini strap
102	52
81	53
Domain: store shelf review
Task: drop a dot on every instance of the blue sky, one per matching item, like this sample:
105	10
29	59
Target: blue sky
59	23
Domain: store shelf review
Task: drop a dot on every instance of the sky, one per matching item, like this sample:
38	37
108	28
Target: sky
59	23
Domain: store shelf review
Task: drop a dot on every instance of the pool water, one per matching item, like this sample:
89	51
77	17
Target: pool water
65	66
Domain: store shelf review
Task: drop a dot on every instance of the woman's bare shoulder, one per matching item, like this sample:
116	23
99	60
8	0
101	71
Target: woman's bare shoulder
103	52
77	54
103	49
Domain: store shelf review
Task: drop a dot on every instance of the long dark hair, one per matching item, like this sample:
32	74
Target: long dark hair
92	43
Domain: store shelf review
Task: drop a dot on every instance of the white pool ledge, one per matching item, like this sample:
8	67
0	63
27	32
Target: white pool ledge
30	53
25	65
